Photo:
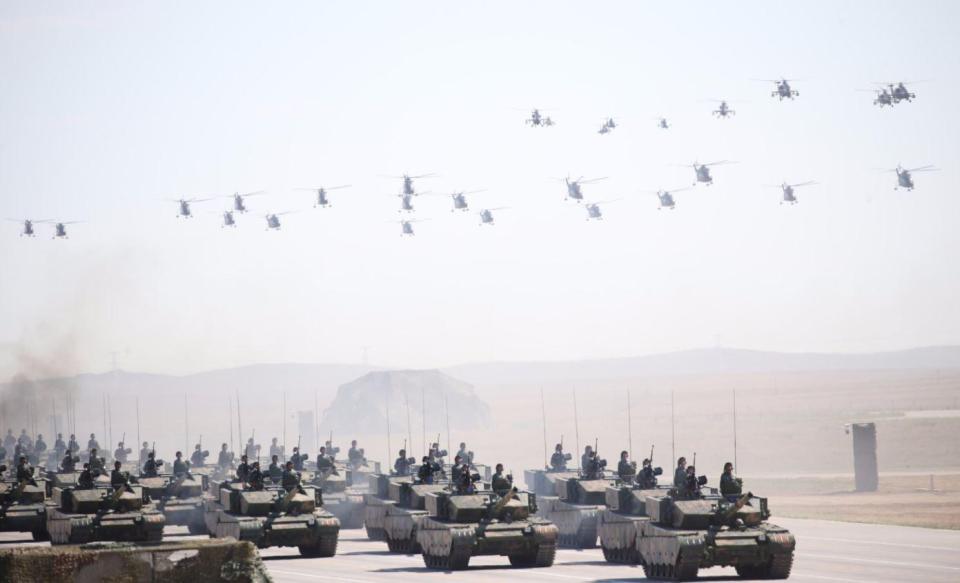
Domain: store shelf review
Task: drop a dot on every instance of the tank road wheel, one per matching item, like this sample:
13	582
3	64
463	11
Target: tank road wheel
685	569
407	546
374	533
778	567
326	546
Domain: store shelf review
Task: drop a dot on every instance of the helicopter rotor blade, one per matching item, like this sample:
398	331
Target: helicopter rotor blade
496	208
927	168
607	201
591	180
799	184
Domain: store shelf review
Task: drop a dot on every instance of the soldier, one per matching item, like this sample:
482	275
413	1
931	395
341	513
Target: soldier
290	479
198	459
501	484
297	458
59	446
151	466
97	464
92	442
626	469
465	481
3	453
680	474
465	456
458	469
144	452
558	461
120	454
275	470
24	439
594	468
73	446
225	459
427	470
69	463
118	479
24	472
180	467
647	479
243	470
275	450
401	467
691	488
252	450
85	479
730	486
331	451
436	454
256	477
324	461
585	458
9	441
40	447
355	455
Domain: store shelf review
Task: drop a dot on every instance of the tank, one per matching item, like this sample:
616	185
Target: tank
621	522
22	508
685	535
576	509
543	483
404	515
102	514
180	500
339	499
376	502
459	526
272	518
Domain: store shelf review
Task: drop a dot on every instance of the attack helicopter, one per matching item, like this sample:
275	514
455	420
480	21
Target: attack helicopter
321	193
662	123
486	215
883	97
665	197
783	90
593	209
608	126
724	110
460	200
788	195
238	199
905	175
273	220
538	120
703	171
901	93
573	186
27	229
184	204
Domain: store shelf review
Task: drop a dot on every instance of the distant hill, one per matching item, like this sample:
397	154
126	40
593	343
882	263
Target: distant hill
704	361
361	405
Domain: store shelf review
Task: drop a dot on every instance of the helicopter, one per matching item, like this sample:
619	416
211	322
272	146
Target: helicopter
593	209
407	182
60	229
724	110
184	211
665	197
28	230
460	200
900	92
538	120
228	220
788	195
703	171
238	203
783	90
486	215
573	186
273	220
905	175
662	123
883	98
406	227
321	192
608	126
406	203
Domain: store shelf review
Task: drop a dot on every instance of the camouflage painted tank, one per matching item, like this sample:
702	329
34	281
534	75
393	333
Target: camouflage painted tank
102	514
621	522
376	503
273	518
683	536
576	509
340	500
22	508
181	500
458	527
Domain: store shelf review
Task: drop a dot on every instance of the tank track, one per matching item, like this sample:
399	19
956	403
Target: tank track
685	568
624	556
544	553
326	546
458	556
407	546
778	567
584	538
153	526
376	533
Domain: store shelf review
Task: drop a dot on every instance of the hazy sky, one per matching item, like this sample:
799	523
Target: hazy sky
109	108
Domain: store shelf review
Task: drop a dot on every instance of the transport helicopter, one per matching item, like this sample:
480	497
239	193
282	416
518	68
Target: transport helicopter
60	229
593	209
273	220
486	215
460	200
905	175
883	97
665	197
408	182
702	171
26	229
789	196
574	190
323	201
184	205
228	220
238	199
406	226
662	123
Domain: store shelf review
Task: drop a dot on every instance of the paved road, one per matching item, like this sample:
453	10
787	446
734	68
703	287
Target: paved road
826	551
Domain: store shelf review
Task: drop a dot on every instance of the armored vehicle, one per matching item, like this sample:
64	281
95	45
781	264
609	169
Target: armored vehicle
180	499
376	502
404	515
102	514
543	483
459	526
339	499
685	535
273	518
576	509
22	508
621	522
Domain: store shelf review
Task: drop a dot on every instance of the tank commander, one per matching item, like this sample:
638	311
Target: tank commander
331	451
355	455
626	469
458	469
585	458
466	457
225	459
680	474
118	479
243	469
465	481
691	488
24	439
252	450
275	450
24	472
69	463
151	468
594	468
297	458
59	446
97	464
558	461
85	479
73	445
256	477
120	454
325	462
647	478
92	443
427	470
40	447
275	470
199	457
9	440
180	467
436	454
501	484
144	452
731	487
401	466
291	479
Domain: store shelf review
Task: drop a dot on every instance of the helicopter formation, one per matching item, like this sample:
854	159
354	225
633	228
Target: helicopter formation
889	94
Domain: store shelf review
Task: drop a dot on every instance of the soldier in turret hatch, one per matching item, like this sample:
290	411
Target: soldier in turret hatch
199	457
680	474
144	452
275	450
72	445
252	450
92	442
465	481
558	461
59	446
355	455
458	469
3	453
40	447
291	479
118	479
120	454
298	458
243	469
256	477
225	458
594	468
500	483
24	439
730	486
331	450
9	440
275	470
180	467
436	454
585	458
647	479
151	466
401	467
97	464
69	463
691	488
427	470
85	479
465	456
25	472
325	462
626	469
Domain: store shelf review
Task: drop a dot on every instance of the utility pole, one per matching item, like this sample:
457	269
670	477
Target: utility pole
673	430
735	431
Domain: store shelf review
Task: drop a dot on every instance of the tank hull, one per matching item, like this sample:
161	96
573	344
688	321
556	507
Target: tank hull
315	534
577	523
348	507
70	528
618	536
374	514
30	518
187	512
400	529
449	545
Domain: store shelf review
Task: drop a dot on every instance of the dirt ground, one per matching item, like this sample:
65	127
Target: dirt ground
905	500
